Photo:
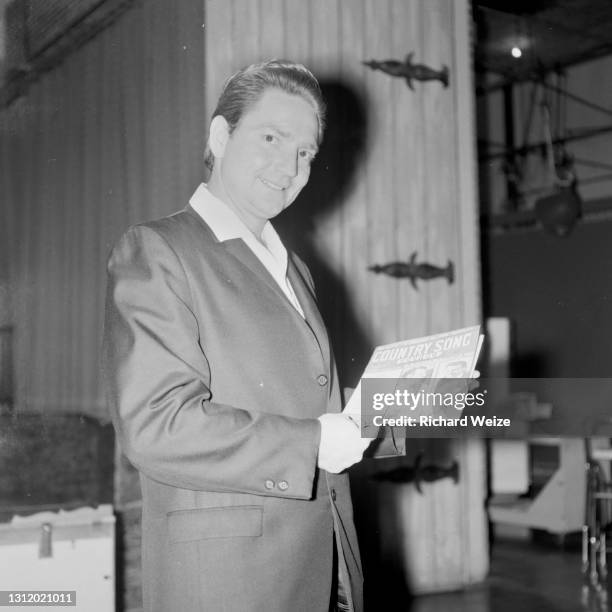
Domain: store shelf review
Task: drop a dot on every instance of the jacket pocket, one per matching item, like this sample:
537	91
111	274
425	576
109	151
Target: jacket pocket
221	522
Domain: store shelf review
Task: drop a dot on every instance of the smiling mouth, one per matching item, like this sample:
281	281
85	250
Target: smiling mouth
271	185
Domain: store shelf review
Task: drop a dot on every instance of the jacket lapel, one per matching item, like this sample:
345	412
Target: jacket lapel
240	250
305	294
302	287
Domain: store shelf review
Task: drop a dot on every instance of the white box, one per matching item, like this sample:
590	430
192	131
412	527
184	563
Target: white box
62	551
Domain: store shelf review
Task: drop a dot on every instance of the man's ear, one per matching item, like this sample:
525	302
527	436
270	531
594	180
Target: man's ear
218	135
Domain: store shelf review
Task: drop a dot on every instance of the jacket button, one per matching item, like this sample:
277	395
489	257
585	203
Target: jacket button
322	380
269	484
283	485
333	494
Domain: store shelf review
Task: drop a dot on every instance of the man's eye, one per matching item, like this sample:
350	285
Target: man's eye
305	154
270	138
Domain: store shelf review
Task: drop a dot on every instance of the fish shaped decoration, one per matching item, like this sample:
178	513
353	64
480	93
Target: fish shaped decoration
419	473
414	270
409	71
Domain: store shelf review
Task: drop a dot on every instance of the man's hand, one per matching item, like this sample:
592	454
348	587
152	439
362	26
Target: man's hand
341	443
474	384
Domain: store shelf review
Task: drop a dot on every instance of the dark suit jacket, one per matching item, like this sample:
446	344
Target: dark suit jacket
215	383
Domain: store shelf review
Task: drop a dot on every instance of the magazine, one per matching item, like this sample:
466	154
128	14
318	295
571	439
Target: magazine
453	354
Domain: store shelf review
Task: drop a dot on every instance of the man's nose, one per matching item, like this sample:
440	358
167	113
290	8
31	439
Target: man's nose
288	164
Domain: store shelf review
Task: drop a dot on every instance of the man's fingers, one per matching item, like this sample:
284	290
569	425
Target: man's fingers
341	444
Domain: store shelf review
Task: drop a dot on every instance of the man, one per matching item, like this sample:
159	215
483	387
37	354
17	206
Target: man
221	379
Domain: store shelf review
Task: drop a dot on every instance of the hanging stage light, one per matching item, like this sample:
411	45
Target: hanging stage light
559	211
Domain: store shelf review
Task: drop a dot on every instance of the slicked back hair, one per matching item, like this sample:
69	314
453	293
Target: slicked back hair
244	88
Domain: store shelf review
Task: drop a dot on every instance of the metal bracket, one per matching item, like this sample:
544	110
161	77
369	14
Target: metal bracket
419	473
413	270
409	71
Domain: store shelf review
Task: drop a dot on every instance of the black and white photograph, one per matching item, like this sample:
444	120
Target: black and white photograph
218	218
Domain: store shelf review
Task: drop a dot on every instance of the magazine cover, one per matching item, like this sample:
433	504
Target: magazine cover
451	354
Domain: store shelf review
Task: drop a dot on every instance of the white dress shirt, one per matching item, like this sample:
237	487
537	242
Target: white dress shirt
227	225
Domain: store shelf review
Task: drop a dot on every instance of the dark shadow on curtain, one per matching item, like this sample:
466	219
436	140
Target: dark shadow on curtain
334	174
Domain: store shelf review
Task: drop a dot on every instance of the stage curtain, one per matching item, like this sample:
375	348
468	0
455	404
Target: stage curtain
112	136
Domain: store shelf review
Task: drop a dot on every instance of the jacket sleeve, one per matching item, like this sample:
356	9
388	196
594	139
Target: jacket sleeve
158	388
391	444
391	441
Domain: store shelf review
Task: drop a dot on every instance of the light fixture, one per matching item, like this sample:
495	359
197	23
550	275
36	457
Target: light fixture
519	41
559	211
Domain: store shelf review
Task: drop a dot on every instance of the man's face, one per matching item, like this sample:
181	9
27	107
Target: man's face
265	162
